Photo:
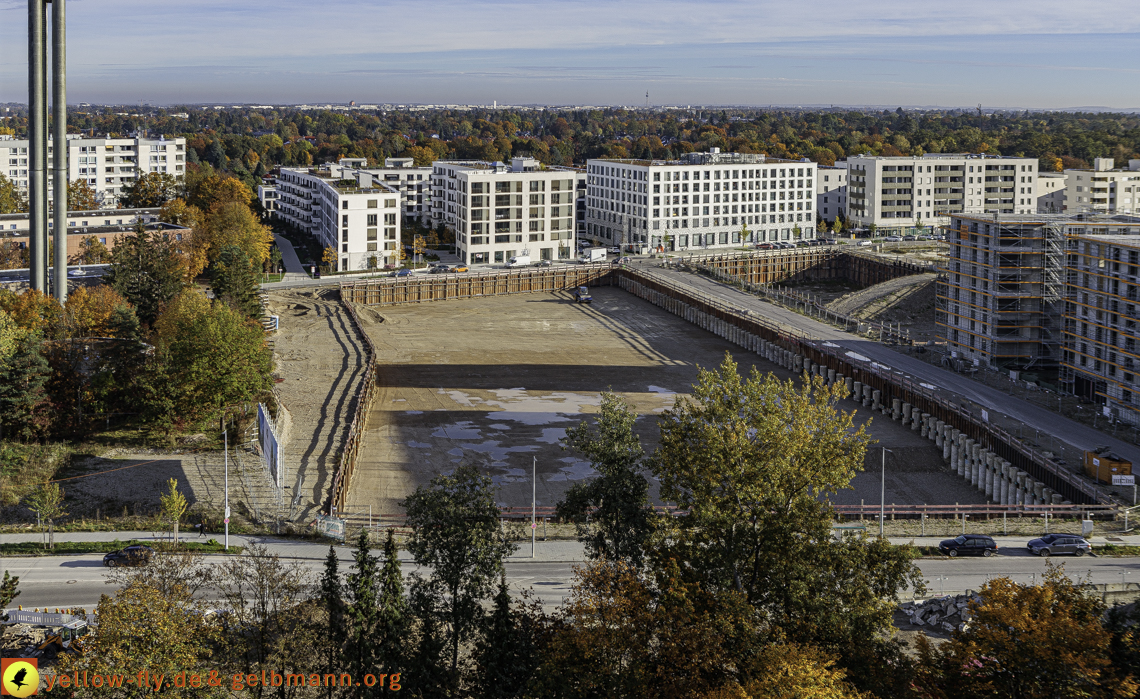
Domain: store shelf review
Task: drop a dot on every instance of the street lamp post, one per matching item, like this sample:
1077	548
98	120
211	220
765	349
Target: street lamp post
883	493
533	490
226	449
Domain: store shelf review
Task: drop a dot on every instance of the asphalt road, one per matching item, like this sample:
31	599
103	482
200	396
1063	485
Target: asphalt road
80	581
1080	436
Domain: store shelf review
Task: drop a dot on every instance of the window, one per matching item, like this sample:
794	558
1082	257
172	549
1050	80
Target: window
372	203
372	219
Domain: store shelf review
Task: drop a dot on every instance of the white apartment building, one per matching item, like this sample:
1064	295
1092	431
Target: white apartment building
106	164
347	210
413	184
1051	192
700	201
501	211
831	191
1102	189
895	193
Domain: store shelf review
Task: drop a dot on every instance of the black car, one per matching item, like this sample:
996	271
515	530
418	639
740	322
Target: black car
136	555
1052	544
968	545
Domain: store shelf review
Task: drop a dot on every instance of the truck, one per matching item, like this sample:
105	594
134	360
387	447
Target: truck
519	261
589	255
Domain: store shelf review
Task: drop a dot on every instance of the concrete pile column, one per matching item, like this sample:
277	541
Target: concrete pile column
954	455
848	383
988	486
960	467
896	408
974	451
831	375
876	396
915	419
867	393
1019	483
939	433
1039	493
857	391
1058	499
926	426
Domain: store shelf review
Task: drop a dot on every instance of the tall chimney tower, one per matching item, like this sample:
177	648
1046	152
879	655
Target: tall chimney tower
38	196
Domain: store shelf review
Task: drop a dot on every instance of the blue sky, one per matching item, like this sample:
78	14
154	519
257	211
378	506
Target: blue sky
1000	53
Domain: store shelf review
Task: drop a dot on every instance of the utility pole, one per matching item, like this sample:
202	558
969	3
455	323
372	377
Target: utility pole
533	491
226	448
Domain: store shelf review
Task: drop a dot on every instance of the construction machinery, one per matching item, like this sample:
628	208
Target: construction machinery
69	638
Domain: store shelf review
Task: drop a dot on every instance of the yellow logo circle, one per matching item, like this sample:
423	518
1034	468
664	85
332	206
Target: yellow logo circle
21	679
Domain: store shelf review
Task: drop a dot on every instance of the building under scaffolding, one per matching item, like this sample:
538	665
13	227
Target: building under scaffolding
1101	356
999	302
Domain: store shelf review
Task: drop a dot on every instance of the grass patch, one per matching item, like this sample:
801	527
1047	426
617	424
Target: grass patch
74	548
1112	551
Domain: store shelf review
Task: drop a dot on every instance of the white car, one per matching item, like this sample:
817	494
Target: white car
893	239
615	250
864	243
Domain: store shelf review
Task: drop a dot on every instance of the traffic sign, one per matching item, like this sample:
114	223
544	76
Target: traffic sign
533	525
226	520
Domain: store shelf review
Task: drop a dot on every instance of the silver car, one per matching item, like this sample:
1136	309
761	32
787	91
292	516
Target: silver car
1055	544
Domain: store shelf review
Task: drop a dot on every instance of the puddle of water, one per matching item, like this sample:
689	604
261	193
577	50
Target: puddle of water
512	475
577	470
455	452
419	445
399	400
464	429
462	398
552	435
662	391
519	406
498	426
495	451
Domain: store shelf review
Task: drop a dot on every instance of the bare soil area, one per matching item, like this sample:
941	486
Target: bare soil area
496	382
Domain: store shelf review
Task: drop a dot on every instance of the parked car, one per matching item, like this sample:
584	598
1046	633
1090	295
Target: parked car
543	263
615	250
765	246
582	295
864	243
910	237
968	545
405	272
622	260
1053	544
459	268
439	269
136	555
893	239
829	241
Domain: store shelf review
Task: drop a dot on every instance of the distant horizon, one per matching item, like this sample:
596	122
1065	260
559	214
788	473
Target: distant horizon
755	53
316	104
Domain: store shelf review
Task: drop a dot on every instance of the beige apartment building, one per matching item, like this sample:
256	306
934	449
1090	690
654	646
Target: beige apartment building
900	194
1103	189
501	211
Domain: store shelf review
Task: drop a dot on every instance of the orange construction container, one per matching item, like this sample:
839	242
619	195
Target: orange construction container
1103	464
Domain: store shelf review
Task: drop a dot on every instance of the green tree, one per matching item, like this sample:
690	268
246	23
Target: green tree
9	591
92	251
146	271
427	676
47	502
213	356
80	196
617	501
151	189
394	615
12	200
335	629
506	654
234	281
872	230
25	408
753	462
797	232
456	533
363	613
173	506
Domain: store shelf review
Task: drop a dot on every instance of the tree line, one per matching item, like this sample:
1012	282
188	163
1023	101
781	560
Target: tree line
748	593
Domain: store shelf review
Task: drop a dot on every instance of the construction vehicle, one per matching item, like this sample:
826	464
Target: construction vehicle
68	639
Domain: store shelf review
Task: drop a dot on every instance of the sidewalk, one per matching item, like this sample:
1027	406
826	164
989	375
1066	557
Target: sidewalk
294	271
544	551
